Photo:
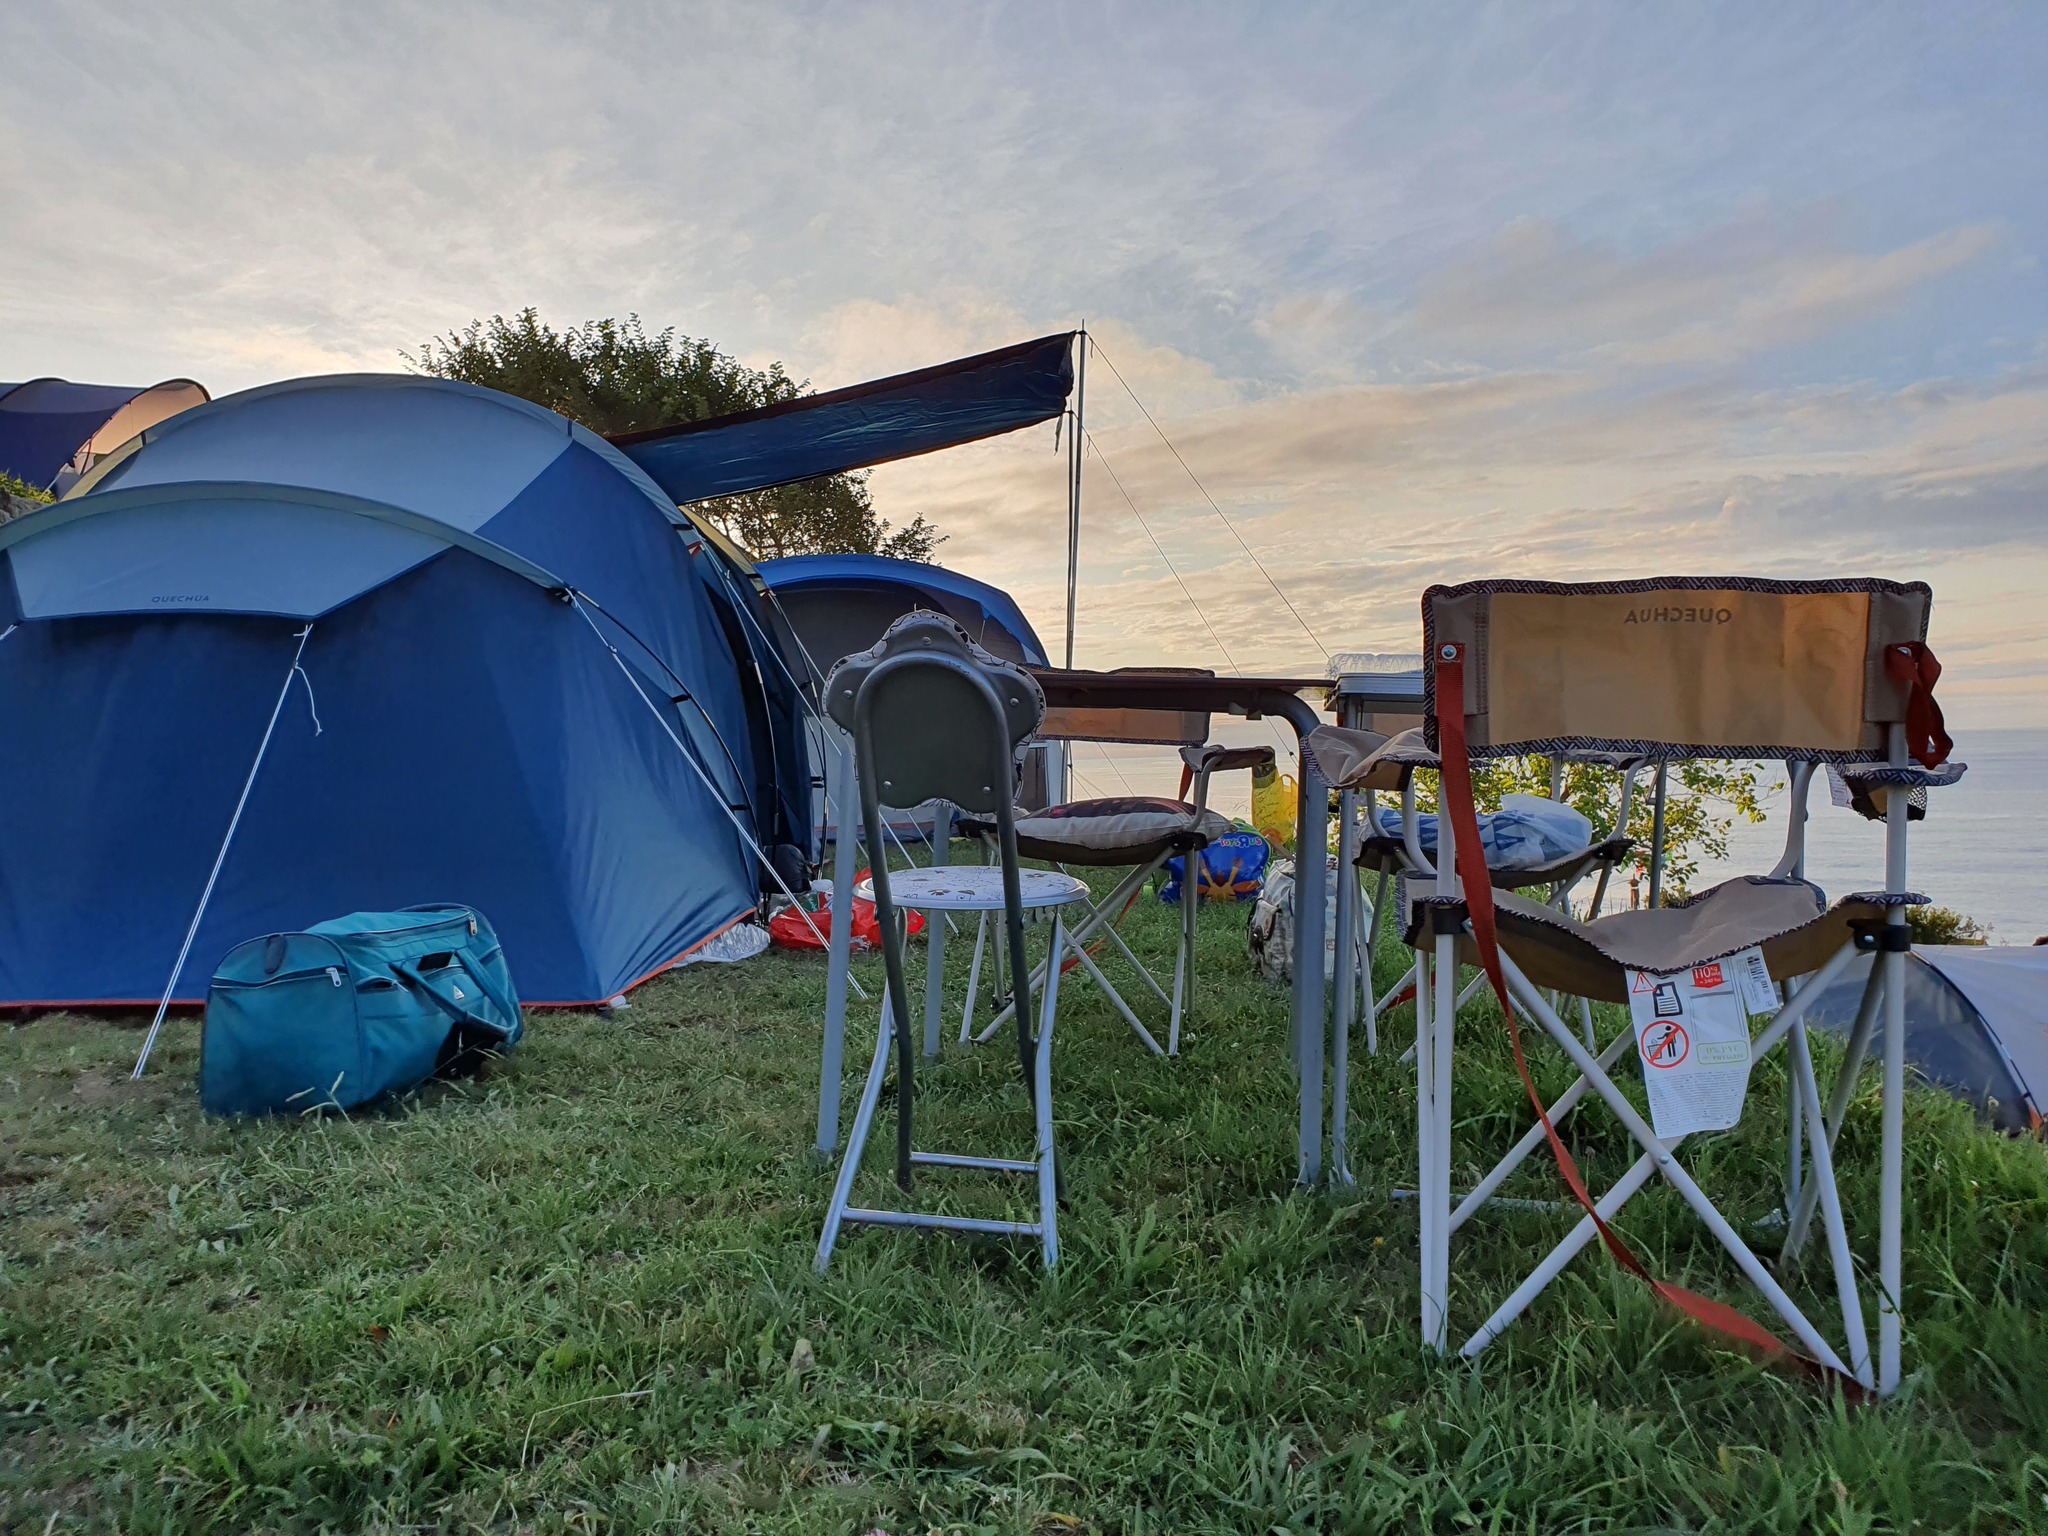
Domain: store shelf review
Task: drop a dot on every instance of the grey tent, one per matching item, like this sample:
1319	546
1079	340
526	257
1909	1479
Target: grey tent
1976	1023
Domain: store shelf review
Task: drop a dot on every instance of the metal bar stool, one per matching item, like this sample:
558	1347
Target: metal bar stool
935	717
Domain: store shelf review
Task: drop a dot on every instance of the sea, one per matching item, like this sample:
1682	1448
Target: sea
1983	849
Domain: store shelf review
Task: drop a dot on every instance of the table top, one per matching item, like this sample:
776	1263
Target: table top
1166	688
974	888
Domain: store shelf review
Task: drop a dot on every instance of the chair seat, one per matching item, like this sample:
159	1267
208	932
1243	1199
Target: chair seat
1790	919
974	888
1380	852
1112	831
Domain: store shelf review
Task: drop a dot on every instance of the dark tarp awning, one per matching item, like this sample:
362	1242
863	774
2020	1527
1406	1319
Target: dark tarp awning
872	423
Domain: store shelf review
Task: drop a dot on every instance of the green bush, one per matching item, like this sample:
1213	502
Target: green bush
1945	925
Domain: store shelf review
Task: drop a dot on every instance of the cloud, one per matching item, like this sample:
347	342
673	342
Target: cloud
1712	297
1416	296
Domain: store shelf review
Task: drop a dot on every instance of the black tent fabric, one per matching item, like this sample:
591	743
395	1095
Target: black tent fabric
893	418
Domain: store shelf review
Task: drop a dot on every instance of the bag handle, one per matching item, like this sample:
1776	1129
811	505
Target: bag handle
449	1005
1477	886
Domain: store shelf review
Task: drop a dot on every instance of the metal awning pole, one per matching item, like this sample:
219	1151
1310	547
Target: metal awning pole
1076	443
191	933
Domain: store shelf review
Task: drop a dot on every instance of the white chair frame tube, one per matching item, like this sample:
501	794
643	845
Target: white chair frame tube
1838	1103
1891	1177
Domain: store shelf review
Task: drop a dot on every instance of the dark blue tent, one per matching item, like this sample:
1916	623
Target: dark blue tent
48	426
513	641
835	605
839	604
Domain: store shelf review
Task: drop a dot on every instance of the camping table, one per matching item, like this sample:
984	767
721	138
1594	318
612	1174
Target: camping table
1253	698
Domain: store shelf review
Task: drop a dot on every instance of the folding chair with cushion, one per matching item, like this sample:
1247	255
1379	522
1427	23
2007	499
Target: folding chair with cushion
935	718
1362	760
1716	667
1132	832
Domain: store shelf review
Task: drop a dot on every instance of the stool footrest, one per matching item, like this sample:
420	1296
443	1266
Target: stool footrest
962	1160
944	1223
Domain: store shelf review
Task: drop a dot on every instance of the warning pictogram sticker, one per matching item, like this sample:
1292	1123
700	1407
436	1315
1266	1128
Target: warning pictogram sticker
1665	1044
1641	981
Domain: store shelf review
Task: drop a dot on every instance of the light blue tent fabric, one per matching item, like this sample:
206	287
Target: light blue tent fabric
476	740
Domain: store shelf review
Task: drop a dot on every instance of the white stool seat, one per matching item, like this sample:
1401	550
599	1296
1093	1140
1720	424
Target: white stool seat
974	888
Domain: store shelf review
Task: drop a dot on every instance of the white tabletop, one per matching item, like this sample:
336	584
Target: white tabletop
974	888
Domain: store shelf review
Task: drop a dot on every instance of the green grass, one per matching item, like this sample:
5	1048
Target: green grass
578	1296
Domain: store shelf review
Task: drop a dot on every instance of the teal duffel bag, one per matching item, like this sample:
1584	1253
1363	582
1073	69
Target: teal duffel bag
352	1009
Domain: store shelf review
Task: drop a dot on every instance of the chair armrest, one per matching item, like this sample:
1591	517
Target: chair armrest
1217	758
1367	760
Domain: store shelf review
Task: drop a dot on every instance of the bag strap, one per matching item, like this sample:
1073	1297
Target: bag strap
1477	885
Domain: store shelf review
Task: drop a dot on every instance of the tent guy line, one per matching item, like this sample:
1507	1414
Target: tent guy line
295	670
1220	513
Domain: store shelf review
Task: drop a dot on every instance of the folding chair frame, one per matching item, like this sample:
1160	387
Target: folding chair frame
1100	917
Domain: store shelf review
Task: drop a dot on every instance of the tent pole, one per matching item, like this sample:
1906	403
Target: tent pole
184	950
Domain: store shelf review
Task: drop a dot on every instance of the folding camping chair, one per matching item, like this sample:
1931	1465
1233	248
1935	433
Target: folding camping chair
1355	761
1137	833
935	717
1731	668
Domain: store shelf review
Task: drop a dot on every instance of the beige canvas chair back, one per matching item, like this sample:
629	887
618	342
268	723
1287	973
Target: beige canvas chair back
1713	667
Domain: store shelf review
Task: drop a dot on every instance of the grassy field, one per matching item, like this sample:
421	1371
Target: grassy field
577	1296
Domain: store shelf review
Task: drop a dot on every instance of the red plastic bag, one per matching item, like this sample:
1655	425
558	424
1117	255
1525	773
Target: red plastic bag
789	929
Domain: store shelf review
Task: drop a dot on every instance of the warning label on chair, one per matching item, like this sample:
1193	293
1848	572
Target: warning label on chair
1692	1034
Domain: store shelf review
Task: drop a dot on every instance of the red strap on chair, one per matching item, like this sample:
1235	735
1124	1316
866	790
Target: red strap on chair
1460	811
1912	667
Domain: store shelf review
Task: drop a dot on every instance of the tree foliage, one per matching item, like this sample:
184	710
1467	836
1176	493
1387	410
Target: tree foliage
18	498
612	376
1701	804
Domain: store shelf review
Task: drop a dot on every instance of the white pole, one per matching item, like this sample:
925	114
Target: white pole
1444	1020
191	933
1425	1148
1076	445
1891	1181
838	966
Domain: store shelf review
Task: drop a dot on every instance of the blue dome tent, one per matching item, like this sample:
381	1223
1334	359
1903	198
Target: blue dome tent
514	687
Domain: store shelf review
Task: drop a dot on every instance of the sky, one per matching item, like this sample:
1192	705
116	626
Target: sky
1417	293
